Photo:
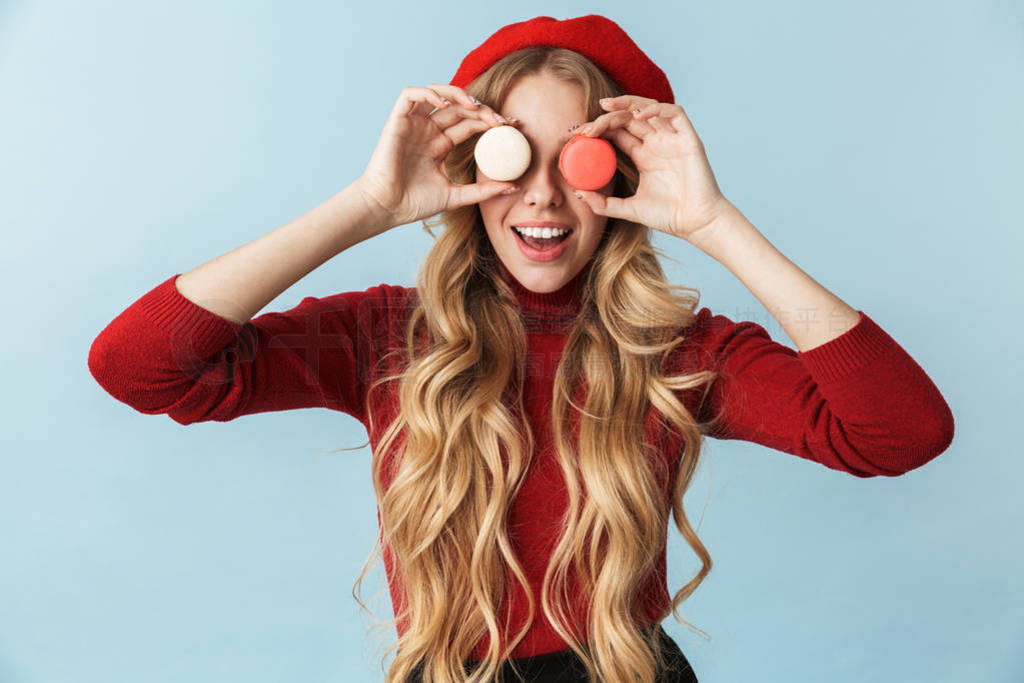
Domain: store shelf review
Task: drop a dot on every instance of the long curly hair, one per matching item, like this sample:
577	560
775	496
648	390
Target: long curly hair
465	444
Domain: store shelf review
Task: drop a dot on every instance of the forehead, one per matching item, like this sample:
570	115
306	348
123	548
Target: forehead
545	106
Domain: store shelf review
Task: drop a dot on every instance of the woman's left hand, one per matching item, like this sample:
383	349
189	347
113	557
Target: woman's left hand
677	192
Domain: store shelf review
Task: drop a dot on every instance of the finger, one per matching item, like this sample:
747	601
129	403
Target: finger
440	145
625	140
468	101
456	93
454	113
466	128
473	193
661	125
640	129
617	119
603	205
681	123
449	114
654	115
658	123
416	101
623	121
625	102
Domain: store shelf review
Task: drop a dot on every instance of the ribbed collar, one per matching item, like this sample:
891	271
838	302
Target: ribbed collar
565	301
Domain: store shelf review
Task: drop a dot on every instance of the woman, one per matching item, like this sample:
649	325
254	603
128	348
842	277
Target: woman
534	416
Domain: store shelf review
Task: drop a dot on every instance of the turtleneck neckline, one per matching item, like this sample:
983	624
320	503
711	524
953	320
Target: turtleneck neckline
566	300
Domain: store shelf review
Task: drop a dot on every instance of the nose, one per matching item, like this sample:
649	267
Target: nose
542	186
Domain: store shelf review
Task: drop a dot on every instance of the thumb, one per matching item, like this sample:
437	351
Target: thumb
612	207
473	193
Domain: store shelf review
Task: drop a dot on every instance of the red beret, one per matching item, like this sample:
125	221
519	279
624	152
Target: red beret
598	38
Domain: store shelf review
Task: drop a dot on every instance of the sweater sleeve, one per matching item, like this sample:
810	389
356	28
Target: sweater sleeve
165	354
857	403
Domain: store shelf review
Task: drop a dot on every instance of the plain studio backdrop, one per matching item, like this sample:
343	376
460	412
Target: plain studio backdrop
877	144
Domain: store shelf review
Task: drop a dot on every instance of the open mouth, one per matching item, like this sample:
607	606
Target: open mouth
542	243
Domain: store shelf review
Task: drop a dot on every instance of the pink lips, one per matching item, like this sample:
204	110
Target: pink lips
549	254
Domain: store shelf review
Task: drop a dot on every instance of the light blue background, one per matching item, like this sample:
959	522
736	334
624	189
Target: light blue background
876	144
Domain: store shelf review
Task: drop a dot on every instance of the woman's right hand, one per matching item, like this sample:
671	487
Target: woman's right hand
405	180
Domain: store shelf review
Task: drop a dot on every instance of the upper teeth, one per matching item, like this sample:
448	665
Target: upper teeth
533	231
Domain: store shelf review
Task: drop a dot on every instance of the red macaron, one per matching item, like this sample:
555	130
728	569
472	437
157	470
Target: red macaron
587	163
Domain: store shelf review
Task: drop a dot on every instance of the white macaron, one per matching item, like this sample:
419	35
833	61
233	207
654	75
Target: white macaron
502	153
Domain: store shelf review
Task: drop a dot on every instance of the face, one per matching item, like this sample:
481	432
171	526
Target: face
546	107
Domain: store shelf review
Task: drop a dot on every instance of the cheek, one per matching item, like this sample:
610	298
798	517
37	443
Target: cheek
490	211
595	229
493	217
497	206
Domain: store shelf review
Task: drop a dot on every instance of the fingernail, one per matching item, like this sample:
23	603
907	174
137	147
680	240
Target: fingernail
475	100
509	190
500	117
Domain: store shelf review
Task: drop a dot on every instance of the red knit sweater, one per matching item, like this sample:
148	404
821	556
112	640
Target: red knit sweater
858	404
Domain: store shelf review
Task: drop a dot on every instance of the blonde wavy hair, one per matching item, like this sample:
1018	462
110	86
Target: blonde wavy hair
467	444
